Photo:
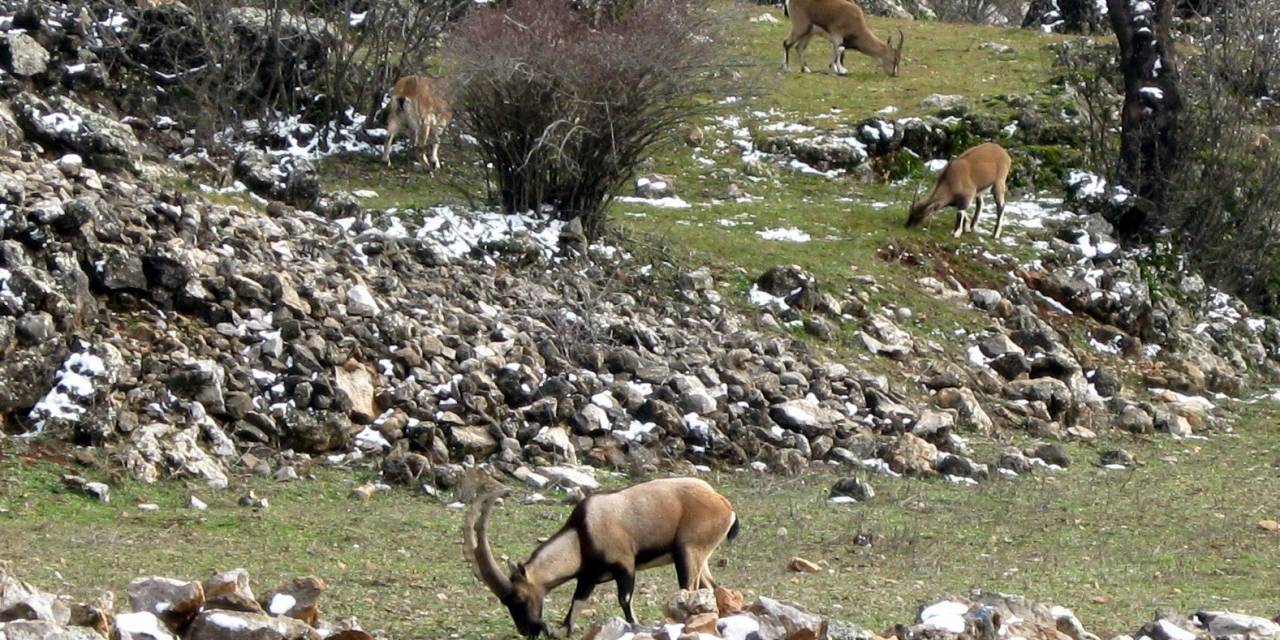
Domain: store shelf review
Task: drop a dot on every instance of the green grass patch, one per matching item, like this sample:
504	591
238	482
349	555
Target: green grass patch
1179	531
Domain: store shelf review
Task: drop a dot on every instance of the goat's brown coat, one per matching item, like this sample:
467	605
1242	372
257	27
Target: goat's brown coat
418	104
845	25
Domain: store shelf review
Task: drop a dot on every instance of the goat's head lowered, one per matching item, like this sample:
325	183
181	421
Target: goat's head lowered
522	597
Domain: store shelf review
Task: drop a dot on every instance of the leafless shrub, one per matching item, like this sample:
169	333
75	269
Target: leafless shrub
562	112
1225	196
979	11
1089	72
218	63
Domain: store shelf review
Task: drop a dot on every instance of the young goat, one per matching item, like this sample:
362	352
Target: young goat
419	105
845	26
983	167
609	536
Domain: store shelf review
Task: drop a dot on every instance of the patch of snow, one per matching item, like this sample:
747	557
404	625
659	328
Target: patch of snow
669	202
806	168
370	439
784	234
738	627
1087	183
227	621
456	233
62	122
766	17
281	603
74	386
945	616
1173	631
604	400
762	298
142	623
634	431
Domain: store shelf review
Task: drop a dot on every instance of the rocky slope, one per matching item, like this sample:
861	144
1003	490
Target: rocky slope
181	333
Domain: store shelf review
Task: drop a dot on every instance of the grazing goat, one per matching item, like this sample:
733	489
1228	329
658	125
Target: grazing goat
418	104
983	167
845	26
608	536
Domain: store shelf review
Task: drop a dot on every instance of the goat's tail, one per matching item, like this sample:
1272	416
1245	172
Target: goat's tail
786	8
734	529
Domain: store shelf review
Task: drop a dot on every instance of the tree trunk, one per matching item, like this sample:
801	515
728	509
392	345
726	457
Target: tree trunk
1152	101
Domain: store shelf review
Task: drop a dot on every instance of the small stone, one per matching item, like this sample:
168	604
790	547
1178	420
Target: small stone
96	490
943	102
1051	453
196	503
728	601
985	299
235	581
70	165
251	499
360	302
364	491
174	601
801	565
852	489
295	599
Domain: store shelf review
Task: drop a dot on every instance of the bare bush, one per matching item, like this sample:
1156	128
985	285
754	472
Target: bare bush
562	112
1225	200
1067	16
979	11
1088	70
219	64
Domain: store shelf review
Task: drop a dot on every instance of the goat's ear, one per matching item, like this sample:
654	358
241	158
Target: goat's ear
517	570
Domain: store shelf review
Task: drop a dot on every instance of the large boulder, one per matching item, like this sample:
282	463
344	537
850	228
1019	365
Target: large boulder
238	625
62	122
22	55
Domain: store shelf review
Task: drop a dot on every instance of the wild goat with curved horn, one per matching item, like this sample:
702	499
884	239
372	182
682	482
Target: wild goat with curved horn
608	536
962	182
844	24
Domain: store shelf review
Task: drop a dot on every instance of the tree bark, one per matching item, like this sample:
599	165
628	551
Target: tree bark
1152	102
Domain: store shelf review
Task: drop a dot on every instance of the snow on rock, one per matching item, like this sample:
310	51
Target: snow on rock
457	233
142	624
281	603
945	616
80	379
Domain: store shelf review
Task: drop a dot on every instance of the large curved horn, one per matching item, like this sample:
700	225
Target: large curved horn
902	39
475	545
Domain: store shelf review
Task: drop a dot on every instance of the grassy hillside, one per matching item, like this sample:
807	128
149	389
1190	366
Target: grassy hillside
855	225
1179	531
